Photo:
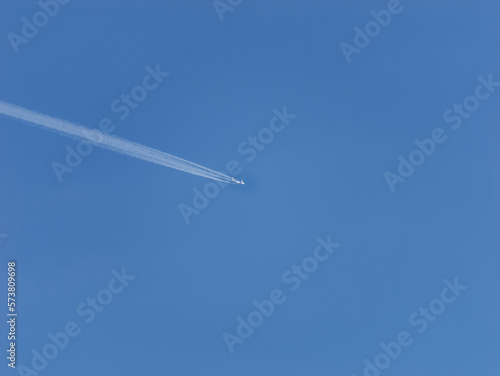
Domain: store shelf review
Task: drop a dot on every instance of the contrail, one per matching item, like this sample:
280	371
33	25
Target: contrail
113	143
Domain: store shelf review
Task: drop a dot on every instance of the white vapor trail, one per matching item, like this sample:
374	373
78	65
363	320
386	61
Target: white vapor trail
113	143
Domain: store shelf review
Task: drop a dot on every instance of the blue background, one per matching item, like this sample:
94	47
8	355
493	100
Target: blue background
322	175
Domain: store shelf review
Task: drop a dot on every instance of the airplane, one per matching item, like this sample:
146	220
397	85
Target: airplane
237	181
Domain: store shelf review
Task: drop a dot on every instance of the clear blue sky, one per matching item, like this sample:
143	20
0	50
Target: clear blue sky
322	175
